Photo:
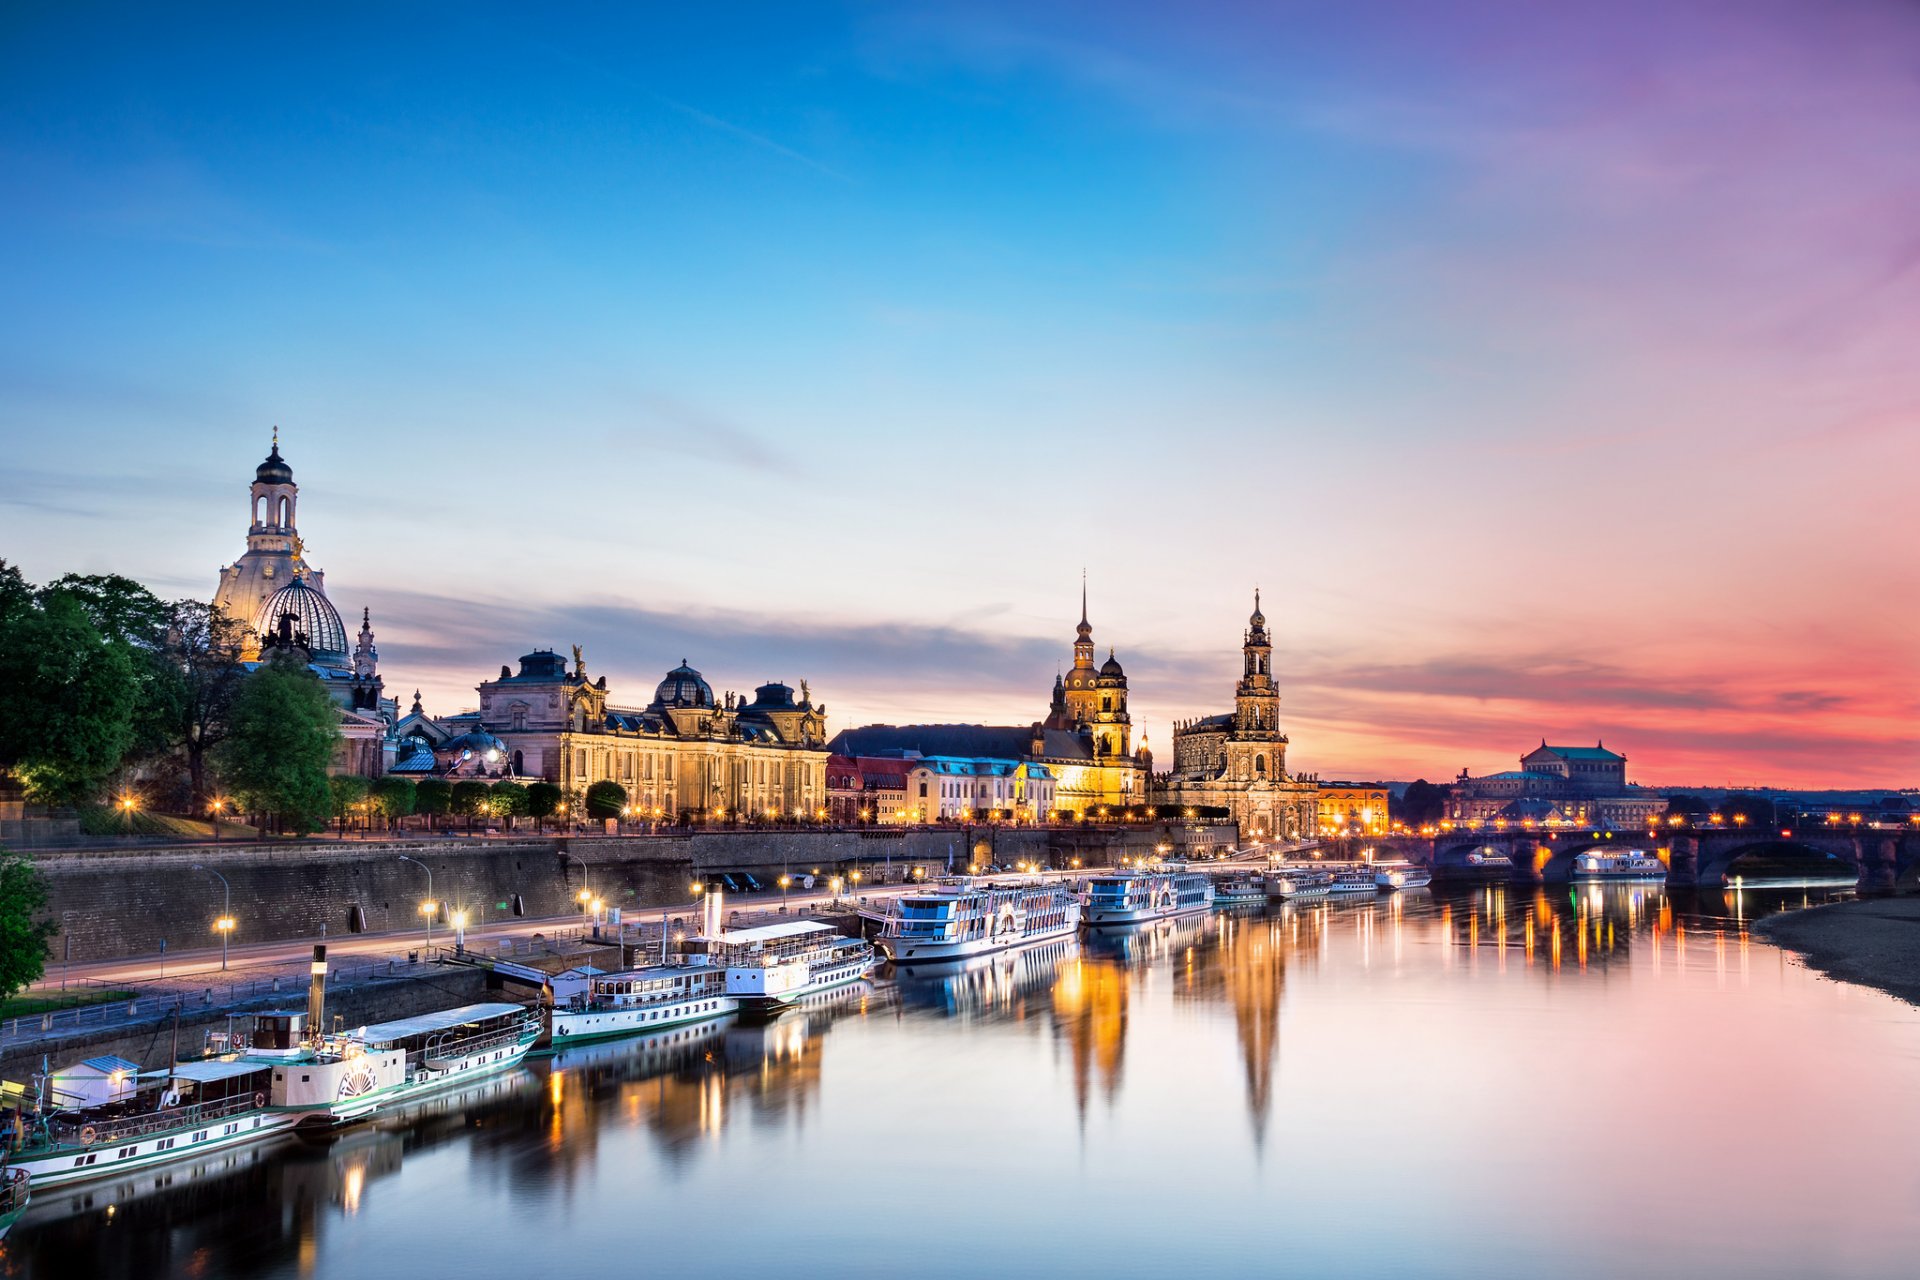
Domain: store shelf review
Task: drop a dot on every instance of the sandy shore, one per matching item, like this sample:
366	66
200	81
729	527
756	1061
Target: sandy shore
1875	942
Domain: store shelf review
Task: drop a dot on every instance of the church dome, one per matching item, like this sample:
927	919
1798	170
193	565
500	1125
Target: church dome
313	616
1111	667
482	748
683	687
275	469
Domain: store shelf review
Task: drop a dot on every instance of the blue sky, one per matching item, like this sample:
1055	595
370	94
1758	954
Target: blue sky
833	342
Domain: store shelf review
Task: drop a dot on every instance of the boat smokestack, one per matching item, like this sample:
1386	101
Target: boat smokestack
317	992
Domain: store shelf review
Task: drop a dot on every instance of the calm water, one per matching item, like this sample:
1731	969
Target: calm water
1487	1084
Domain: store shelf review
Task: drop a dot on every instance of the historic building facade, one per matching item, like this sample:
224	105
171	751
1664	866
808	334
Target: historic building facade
1238	760
686	752
1353	807
281	604
1556	786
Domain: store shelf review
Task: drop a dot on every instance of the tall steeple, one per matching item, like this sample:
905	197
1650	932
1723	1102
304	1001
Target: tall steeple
1256	701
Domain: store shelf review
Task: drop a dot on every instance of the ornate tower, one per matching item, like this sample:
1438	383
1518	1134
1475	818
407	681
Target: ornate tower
1083	678
367	684
274	555
1256	703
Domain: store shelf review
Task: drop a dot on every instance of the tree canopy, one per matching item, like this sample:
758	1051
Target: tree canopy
510	799
68	694
471	797
396	797
543	799
433	797
1421	803
606	798
23	939
279	745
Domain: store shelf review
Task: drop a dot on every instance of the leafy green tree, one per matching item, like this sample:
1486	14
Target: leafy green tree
130	616
543	801
1750	810
396	797
470	798
1421	803
510	800
279	744
605	799
433	797
348	793
202	656
23	939
67	695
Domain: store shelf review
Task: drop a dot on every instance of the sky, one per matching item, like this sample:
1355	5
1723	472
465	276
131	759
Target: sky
1550	369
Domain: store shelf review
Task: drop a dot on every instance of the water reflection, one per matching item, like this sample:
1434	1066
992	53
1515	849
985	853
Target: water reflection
1131	1057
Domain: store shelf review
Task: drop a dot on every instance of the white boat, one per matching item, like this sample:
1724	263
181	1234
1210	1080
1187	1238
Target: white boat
130	1120
646	999
1298	882
774	965
1129	897
1238	889
1353	880
349	1075
1626	865
15	1191
1401	876
962	920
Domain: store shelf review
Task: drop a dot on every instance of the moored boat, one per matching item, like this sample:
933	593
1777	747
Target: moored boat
1353	880
1298	882
1129	897
645	999
1239	888
1625	865
965	919
777	964
1401	876
15	1191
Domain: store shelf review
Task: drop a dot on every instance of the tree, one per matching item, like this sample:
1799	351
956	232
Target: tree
202	652
67	695
469	798
279	745
1687	805
509	800
543	801
348	792
433	797
23	940
1421	803
1754	810
130	616
395	797
606	798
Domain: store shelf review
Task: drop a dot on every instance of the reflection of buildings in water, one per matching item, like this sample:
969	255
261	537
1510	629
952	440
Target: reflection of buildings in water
990	988
1138	945
1565	926
1090	1010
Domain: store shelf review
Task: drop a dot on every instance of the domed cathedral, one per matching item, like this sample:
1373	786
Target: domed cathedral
1238	760
1091	702
281	604
687	751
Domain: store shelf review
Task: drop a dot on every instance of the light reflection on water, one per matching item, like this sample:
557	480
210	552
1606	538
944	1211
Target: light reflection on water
1503	1081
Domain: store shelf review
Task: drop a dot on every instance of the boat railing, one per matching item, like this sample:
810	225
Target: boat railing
13	1190
452	1050
91	1131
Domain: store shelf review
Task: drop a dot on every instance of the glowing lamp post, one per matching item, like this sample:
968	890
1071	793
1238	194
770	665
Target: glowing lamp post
223	924
430	908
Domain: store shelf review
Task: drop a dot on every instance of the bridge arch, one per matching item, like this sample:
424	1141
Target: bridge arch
1775	859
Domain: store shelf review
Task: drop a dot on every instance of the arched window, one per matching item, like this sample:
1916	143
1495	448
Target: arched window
1260	764
519	765
259	509
286	512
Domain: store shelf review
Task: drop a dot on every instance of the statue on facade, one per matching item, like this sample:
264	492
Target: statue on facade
579	663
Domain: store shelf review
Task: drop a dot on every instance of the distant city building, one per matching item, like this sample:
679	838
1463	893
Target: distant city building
943	788
280	602
1238	760
1084	747
1556	786
687	751
867	789
1353	806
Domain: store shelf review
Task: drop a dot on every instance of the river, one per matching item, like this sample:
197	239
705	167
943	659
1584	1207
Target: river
1501	1082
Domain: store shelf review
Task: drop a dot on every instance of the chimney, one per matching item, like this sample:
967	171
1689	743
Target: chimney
317	992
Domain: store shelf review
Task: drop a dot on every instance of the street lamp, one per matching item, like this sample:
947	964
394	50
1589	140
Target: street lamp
430	907
785	881
586	875
459	931
224	925
216	805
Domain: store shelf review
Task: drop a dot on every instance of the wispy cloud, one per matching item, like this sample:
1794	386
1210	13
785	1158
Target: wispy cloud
748	136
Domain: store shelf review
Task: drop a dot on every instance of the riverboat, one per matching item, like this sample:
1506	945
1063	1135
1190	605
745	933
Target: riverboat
1299	882
1353	880
1131	897
349	1075
1238	890
772	966
962	920
1401	876
1626	865
129	1120
15	1191
645	999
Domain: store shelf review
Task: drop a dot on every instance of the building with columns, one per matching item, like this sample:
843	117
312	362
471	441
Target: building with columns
686	752
1237	760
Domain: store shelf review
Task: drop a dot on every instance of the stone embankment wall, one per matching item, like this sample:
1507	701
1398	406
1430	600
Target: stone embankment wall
150	1042
115	903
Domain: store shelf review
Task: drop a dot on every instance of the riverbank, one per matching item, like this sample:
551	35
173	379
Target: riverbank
1874	942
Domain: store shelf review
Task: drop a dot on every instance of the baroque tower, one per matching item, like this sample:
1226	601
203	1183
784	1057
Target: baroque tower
274	555
1256	702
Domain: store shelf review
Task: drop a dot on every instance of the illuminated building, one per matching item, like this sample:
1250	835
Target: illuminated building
1237	761
1557	786
1353	806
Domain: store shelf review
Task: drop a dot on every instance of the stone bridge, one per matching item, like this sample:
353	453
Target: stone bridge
1880	857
